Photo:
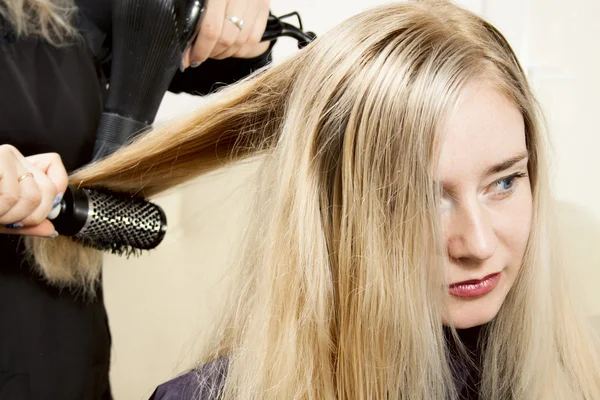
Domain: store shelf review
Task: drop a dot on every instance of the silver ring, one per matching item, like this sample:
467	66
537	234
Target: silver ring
238	22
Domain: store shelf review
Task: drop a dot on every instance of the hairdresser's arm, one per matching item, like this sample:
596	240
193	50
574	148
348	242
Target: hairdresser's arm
29	189
213	74
99	12
94	21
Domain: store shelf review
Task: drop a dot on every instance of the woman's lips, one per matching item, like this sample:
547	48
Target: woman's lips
475	288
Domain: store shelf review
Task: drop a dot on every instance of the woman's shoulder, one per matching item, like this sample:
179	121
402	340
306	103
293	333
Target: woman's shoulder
204	383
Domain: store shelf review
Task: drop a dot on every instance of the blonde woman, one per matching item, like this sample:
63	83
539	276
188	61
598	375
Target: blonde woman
54	343
400	245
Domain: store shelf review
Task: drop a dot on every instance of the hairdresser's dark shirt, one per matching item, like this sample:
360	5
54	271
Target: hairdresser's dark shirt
206	382
53	344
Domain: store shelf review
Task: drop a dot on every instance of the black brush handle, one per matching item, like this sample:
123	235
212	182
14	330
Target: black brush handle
110	222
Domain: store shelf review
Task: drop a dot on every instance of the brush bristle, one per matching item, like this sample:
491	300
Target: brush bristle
121	224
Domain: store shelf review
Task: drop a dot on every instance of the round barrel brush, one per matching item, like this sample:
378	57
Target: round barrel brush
118	223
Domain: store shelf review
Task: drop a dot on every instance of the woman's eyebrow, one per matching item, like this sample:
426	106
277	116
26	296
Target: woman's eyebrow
506	164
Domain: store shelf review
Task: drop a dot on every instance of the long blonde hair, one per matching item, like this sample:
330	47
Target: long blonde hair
48	19
337	294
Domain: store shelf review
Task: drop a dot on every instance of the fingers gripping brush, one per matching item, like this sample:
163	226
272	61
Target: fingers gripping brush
118	223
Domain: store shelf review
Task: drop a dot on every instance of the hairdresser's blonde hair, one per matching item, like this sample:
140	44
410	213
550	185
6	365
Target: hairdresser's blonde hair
338	288
48	19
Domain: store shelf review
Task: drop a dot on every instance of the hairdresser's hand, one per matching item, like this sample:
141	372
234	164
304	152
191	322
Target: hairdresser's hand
29	188
220	37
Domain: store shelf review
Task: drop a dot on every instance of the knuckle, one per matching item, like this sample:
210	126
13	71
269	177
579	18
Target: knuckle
227	42
253	40
9	200
34	218
48	187
210	32
34	199
251	44
59	188
55	157
239	54
6	149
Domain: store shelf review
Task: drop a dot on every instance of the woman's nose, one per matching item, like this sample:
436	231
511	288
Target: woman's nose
471	233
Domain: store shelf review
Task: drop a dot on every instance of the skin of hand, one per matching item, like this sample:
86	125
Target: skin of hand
221	38
30	187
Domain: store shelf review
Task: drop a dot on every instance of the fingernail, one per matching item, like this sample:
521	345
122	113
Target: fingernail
55	234
16	225
54	212
195	64
57	200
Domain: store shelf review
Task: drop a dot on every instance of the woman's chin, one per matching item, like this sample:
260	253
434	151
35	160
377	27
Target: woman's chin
466	314
471	322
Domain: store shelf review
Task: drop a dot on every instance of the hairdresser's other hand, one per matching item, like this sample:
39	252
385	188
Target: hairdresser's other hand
221	38
29	188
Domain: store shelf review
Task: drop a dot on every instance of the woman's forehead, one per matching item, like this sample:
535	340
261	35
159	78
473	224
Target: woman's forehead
484	130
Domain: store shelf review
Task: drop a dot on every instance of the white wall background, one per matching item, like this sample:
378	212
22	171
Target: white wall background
159	303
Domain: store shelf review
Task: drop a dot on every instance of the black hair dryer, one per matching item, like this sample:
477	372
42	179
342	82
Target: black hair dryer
149	40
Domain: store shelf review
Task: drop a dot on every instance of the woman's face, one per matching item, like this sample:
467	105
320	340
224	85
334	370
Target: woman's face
487	203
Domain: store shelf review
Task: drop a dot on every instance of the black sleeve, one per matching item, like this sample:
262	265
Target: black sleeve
98	11
94	22
212	74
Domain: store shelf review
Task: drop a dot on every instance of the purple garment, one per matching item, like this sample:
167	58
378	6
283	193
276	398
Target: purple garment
205	383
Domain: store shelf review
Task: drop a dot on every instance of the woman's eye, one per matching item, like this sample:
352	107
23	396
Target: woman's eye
506	183
505	186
